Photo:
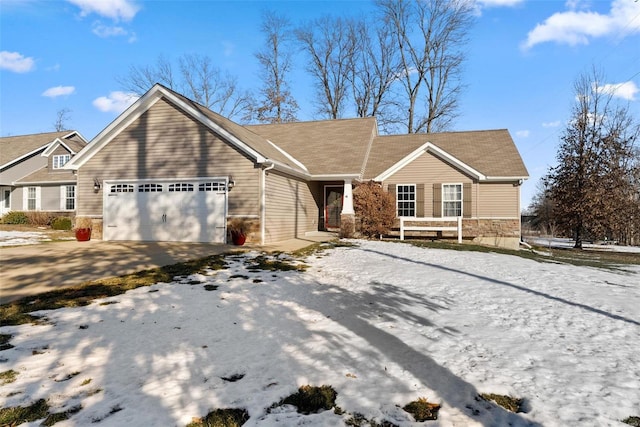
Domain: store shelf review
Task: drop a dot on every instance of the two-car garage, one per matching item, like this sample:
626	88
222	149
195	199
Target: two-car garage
184	210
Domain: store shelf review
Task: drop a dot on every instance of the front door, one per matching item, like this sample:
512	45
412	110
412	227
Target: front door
333	206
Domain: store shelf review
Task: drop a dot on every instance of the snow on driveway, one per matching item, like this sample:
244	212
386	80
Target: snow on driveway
383	323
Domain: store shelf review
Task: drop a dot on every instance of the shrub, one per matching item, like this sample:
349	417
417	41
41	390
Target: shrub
61	223
39	218
509	403
375	207
230	417
311	399
422	410
15	217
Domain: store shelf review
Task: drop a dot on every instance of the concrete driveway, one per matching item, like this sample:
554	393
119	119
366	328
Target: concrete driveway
33	269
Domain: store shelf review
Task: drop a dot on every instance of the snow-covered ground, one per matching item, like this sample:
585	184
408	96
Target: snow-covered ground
383	323
19	238
559	242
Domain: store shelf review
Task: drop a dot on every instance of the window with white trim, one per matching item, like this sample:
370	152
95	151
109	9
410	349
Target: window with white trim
32	197
451	199
59	160
69	197
6	199
406	200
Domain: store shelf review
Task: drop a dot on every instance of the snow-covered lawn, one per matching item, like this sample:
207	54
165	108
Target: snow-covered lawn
383	323
19	238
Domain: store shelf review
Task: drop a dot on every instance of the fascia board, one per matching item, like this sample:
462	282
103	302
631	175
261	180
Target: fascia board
335	177
506	178
287	169
290	157
53	145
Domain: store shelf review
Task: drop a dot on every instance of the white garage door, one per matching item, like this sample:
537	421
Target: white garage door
187	210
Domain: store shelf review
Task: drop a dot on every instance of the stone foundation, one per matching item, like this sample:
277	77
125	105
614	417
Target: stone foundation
347	225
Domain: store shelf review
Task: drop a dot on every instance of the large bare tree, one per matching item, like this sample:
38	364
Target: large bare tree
330	46
277	104
593	185
197	78
430	36
63	115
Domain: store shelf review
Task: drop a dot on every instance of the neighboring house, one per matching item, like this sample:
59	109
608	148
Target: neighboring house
32	177
170	169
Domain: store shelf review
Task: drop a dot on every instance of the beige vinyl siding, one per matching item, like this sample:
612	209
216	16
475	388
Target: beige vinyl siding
165	143
291	209
428	170
498	200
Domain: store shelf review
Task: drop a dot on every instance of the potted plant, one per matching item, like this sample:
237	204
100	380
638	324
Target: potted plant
238	229
83	230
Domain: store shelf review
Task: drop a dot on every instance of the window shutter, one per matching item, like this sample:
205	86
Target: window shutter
38	198
420	200
437	200
466	200
63	197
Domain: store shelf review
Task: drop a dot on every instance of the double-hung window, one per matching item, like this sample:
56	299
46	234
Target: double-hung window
69	197
406	200
32	197
451	199
60	160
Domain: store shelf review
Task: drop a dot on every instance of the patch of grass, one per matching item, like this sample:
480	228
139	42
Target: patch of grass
17	415
17	312
233	378
509	403
422	410
4	342
85	382
632	421
265	263
229	417
67	377
61	416
359	420
7	377
210	287
581	258
311	399
319	247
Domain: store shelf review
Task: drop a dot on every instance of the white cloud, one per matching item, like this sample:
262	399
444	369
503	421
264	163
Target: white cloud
626	90
116	102
551	124
523	133
104	31
16	62
117	10
56	91
575	27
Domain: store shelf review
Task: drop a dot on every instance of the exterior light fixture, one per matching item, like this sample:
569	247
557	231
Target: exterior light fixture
96	185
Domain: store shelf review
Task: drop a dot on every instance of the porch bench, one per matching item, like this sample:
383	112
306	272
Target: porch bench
457	228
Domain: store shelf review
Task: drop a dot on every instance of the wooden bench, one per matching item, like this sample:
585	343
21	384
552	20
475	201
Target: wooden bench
456	219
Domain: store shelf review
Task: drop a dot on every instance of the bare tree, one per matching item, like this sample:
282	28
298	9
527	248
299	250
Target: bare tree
372	71
62	116
330	46
277	104
592	184
429	38
197	78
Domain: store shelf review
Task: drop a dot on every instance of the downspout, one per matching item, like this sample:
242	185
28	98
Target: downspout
263	202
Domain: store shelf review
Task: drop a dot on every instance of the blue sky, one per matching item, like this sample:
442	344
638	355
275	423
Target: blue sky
523	59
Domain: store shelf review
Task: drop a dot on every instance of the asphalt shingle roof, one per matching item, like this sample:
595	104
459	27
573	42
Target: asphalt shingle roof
14	147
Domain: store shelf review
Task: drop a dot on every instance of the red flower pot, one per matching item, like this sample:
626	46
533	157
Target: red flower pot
83	234
238	238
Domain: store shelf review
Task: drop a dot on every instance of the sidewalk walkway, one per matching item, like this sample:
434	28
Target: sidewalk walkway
33	269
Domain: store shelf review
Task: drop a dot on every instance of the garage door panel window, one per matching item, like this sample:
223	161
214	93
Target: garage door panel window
211	186
122	188
181	186
149	188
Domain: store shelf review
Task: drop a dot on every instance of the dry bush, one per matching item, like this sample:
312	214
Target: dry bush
39	218
375	208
